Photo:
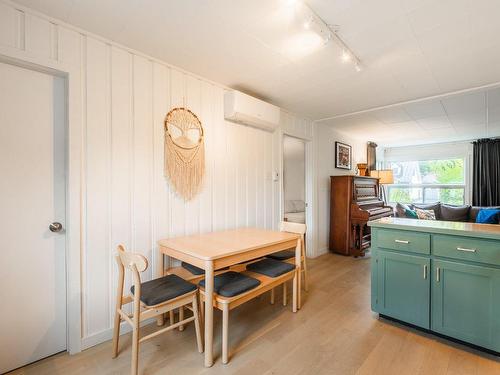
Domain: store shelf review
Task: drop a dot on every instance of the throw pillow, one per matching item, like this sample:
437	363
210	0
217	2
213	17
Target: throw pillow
300	206
488	216
436	207
474	210
289	207
401	209
454	213
410	214
425	214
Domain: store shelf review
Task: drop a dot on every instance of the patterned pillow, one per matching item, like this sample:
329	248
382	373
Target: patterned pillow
436	207
425	214
401	209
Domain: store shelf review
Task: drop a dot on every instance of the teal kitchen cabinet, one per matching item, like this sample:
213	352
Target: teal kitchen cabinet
466	302
438	275
403	287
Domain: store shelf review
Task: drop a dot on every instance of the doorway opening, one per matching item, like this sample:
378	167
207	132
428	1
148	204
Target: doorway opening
294	179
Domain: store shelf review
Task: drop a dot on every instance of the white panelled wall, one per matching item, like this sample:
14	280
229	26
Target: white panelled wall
121	100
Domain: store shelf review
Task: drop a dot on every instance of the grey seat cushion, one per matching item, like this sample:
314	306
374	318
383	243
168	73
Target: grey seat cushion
454	213
230	284
282	255
197	270
270	267
193	269
436	207
163	289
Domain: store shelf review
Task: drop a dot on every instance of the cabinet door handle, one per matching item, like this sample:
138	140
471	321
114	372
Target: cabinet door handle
466	250
438	274
402	241
425	271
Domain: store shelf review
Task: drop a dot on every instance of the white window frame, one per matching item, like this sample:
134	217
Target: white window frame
437	151
427	186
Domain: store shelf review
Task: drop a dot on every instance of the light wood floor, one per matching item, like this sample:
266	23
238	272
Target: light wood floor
334	333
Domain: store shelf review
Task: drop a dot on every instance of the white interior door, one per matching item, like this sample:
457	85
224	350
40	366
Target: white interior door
32	196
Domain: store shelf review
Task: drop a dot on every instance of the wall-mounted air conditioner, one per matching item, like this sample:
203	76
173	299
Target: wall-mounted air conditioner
247	110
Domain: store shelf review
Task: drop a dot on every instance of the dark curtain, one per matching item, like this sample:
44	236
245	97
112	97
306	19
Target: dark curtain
486	173
371	157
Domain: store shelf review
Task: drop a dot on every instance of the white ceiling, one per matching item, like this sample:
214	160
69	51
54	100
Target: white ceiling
458	117
409	48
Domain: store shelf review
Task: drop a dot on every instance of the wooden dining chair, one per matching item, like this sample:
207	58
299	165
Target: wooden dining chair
151	299
289	256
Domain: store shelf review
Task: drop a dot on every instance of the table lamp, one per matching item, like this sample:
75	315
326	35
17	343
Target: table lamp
386	177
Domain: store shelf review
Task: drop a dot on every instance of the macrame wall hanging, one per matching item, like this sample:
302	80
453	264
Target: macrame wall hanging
184	152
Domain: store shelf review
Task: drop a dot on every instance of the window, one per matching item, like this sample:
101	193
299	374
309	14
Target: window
428	181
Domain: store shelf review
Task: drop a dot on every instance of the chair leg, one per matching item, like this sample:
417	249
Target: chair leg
197	328
294	295
202	308
135	345
171	317
116	334
284	293
225	333
118	306
272	296
299	288
181	317
304	265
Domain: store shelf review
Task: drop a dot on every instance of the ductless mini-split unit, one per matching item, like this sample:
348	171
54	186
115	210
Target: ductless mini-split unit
247	110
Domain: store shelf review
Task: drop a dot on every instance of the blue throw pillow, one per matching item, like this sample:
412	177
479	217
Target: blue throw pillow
488	216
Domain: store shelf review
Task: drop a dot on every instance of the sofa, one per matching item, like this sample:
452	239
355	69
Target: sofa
447	212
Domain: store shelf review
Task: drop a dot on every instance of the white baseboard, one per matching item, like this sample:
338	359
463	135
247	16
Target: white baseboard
322	251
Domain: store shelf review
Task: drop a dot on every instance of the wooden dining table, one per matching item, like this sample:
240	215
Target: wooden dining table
216	250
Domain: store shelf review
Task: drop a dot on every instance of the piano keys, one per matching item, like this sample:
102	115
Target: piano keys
354	201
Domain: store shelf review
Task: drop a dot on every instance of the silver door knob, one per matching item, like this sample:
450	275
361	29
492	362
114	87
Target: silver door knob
55	227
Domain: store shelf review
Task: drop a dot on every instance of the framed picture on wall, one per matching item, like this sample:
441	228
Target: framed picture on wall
343	155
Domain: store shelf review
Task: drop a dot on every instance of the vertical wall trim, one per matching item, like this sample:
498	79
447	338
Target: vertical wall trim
54	42
214	162
184	104
200	101
132	153
169	192
152	176
109	179
84	223
227	165
21	30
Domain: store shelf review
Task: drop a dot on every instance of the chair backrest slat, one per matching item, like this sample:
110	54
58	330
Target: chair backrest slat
130	259
287	226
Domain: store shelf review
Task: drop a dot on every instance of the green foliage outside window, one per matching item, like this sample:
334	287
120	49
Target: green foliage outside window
429	172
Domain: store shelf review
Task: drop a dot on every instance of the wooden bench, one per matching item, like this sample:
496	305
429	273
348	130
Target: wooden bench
225	304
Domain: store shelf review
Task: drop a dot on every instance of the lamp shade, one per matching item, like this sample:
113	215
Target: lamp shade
385	176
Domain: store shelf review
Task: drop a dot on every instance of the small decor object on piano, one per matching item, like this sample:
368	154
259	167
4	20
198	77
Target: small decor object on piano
343	155
362	169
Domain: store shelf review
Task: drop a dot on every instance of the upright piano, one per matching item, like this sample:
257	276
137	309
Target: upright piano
354	201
